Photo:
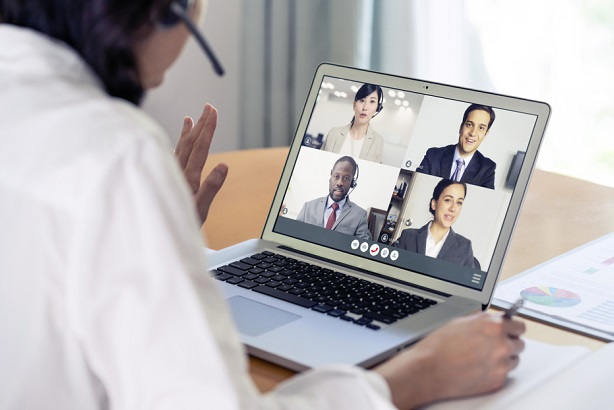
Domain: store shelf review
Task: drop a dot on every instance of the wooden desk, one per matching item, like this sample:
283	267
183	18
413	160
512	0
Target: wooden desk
559	214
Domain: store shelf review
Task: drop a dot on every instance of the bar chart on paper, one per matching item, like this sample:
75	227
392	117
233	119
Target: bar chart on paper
577	287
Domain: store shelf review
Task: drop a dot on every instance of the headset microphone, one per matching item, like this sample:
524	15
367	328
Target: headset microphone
177	11
354	182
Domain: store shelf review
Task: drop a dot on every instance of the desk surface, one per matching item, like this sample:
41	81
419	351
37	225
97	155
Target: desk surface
559	214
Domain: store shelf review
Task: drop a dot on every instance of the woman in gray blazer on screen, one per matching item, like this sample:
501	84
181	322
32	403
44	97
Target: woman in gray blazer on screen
358	139
437	239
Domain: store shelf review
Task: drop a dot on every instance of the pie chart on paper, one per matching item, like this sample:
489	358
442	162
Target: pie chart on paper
550	296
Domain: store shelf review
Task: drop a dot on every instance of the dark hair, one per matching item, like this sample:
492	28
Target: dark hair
440	187
474	107
347	158
102	32
366	90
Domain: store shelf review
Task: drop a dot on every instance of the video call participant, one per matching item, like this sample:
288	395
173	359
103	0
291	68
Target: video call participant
462	161
437	239
336	211
358	139
116	309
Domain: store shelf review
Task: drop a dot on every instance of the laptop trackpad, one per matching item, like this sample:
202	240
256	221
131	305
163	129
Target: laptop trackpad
254	318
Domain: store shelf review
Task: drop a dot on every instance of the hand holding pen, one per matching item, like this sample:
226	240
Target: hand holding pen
512	310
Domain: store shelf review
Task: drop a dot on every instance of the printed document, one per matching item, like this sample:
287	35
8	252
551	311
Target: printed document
574	290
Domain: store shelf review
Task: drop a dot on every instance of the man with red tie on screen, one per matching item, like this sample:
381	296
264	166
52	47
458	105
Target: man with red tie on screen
463	162
335	211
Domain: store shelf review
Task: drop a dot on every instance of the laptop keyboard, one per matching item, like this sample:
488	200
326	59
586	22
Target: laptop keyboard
323	290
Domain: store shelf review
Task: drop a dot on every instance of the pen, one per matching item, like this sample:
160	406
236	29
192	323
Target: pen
513	309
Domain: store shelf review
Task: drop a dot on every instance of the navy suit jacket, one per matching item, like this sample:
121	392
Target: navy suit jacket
456	248
438	162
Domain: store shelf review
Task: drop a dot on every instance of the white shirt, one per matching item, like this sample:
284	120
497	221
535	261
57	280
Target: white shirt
432	248
105	301
351	146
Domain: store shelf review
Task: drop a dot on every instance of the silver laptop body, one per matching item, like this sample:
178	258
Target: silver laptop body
395	195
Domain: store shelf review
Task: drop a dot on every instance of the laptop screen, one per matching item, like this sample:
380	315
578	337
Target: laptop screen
405	178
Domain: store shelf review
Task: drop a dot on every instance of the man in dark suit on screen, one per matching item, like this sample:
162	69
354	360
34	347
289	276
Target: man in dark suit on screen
462	161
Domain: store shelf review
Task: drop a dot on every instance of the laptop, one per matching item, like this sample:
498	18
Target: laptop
304	296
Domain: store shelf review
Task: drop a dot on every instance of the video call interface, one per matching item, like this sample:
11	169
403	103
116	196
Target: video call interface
387	159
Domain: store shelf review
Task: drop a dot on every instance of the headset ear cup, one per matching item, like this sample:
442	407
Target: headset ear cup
380	101
168	17
178	12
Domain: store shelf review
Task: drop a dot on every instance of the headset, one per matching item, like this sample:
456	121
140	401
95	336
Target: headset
354	182
380	97
351	160
177	12
380	101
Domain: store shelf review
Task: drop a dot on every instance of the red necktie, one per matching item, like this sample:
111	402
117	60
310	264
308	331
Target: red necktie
333	216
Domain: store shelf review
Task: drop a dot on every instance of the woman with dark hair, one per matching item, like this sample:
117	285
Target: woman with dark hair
437	239
358	139
105	299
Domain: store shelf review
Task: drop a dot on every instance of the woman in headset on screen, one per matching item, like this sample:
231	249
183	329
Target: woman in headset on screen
105	299
358	139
